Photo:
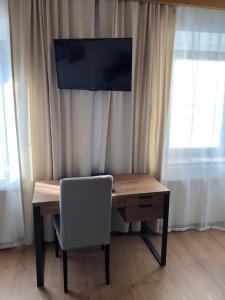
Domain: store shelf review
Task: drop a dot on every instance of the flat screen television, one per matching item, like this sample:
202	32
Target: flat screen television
94	64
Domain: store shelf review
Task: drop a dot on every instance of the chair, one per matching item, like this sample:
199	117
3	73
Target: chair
85	217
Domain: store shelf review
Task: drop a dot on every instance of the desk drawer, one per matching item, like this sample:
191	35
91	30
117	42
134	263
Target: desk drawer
145	200
143	209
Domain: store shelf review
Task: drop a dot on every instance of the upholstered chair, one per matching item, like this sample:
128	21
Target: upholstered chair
85	217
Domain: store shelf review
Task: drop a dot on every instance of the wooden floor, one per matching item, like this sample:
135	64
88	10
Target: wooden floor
195	270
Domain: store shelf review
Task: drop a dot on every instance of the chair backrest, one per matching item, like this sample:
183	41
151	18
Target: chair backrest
85	211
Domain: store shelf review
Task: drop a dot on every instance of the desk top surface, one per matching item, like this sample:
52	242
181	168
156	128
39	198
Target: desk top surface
46	192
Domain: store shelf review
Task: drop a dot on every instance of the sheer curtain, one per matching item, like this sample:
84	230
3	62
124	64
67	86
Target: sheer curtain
11	215
194	158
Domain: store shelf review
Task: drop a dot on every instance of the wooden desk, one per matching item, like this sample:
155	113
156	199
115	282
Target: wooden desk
138	198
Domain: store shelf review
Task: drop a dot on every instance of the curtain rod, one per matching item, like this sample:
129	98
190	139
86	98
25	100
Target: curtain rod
215	4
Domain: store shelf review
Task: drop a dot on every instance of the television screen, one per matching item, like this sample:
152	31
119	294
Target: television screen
94	64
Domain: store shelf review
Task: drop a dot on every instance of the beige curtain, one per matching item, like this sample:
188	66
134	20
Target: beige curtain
163	20
32	105
75	133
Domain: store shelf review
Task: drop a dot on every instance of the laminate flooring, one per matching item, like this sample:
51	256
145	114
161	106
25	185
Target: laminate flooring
195	270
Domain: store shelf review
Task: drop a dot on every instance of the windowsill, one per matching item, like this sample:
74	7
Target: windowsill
5	185
205	160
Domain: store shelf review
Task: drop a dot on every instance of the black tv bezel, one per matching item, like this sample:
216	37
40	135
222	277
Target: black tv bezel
93	88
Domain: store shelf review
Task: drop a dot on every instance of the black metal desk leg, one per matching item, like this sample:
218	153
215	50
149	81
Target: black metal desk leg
165	229
161	259
39	245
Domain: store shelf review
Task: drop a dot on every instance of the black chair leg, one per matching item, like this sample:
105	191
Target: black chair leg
102	247
107	262
65	271
56	245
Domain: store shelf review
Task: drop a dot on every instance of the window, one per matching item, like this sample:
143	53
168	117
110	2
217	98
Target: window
9	170
197	118
9	166
197	104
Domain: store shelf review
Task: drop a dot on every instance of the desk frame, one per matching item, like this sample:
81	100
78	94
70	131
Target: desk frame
39	245
39	229
161	259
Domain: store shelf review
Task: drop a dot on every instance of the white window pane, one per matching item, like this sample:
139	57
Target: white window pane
183	85
197	104
181	120
13	163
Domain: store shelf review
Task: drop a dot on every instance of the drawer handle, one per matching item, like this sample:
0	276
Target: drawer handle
145	205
